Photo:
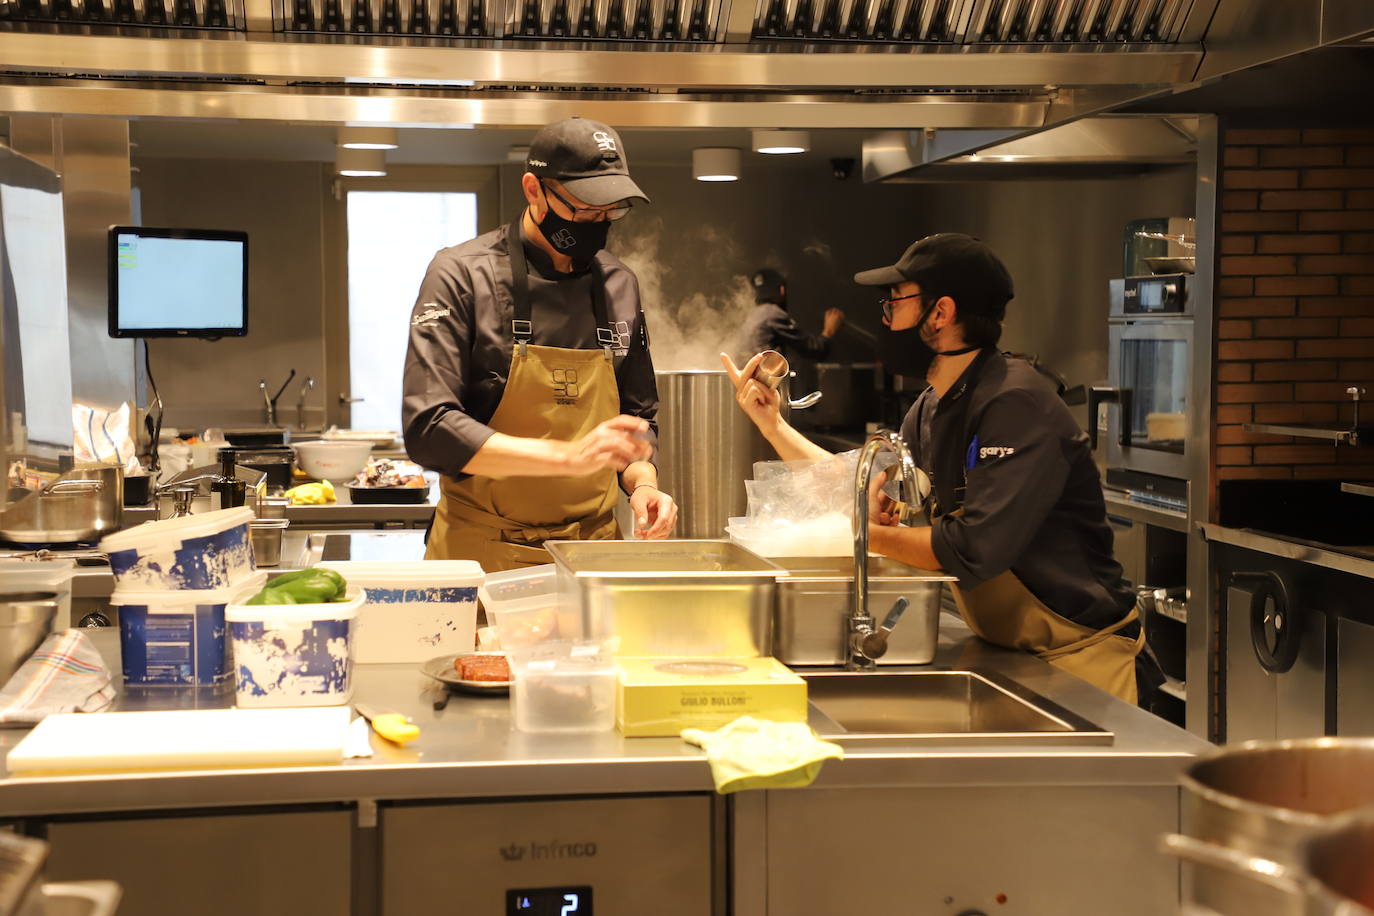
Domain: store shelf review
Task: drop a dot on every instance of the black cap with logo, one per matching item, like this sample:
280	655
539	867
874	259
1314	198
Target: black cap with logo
587	158
950	264
768	286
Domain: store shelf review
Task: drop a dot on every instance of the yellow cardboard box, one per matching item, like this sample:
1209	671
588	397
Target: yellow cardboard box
661	697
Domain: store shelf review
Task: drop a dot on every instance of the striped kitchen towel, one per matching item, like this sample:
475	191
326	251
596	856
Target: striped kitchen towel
66	674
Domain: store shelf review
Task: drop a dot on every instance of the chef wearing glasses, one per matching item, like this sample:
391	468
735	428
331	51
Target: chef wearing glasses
1016	509
528	383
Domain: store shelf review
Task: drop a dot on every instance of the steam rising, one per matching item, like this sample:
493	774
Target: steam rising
695	303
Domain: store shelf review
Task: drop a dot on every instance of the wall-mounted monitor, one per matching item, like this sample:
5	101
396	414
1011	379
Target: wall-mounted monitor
178	282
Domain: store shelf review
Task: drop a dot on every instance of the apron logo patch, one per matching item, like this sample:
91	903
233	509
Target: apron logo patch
430	315
995	451
565	389
562	239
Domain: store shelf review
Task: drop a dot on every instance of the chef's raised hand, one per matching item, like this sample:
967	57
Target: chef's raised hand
615	444
655	512
759	402
882	509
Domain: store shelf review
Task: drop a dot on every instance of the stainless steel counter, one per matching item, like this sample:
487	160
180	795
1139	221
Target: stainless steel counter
469	750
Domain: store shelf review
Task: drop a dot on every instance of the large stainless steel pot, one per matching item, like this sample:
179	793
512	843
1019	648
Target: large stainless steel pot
81	506
1332	878
25	621
1264	800
706	450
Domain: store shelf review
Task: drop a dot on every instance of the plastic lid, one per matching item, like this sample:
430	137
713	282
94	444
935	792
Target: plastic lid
201	524
420	574
185	597
515	584
285	615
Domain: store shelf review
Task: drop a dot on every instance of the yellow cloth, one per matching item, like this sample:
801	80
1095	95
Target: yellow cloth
312	494
754	753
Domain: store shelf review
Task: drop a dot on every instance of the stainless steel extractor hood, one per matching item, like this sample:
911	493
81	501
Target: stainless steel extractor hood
1016	65
1104	144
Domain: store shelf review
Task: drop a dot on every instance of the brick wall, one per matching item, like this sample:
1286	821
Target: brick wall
1295	298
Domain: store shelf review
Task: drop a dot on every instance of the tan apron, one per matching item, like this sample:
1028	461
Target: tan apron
1005	613
551	393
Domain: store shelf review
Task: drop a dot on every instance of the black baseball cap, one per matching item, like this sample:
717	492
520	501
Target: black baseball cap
587	158
768	284
950	264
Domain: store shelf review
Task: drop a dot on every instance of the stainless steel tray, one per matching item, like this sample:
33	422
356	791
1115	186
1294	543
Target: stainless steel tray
815	598
671	598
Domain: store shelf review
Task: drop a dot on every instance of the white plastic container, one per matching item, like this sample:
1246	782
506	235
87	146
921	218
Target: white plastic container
526	608
50	575
205	551
413	611
336	461
569	694
176	638
293	654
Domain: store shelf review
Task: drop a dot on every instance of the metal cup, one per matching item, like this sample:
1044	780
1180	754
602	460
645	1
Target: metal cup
772	369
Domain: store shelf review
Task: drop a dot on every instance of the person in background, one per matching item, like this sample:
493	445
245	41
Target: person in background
770	327
1016	510
528	382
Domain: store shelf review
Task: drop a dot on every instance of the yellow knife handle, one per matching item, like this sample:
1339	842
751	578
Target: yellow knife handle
394	727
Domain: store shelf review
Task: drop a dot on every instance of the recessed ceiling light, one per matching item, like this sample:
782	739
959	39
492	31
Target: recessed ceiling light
715	163
781	142
360	163
368	138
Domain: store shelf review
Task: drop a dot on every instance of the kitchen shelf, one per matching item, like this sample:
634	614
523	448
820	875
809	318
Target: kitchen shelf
1359	489
1121	505
1350	435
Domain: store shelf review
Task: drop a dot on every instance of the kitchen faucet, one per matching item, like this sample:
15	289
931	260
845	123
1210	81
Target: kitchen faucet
300	404
865	643
269	405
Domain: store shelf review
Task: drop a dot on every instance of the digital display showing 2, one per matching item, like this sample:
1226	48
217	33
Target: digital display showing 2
549	901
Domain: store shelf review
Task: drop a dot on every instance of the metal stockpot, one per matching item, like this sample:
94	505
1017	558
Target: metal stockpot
706	449
25	621
1332	877
1264	800
81	506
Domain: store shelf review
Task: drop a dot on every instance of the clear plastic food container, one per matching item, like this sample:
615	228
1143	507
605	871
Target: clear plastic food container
572	693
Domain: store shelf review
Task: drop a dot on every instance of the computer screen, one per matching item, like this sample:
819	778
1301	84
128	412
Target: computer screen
178	282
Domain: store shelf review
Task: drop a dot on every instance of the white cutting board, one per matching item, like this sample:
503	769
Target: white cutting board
69	742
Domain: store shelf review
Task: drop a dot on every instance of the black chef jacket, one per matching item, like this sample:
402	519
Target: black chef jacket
769	327
1002	445
460	348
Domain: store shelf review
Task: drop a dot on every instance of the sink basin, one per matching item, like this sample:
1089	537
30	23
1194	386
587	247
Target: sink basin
902	707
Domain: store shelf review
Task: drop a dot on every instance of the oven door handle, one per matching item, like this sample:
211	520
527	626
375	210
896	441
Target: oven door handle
1100	395
1277	654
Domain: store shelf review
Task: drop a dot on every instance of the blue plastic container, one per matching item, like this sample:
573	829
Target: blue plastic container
174	639
206	551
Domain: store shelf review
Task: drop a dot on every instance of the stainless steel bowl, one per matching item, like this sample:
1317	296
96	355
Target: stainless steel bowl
25	621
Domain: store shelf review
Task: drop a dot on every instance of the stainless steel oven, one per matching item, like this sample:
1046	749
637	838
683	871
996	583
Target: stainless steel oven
1149	367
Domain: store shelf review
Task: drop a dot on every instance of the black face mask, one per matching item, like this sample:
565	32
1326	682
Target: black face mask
579	241
906	353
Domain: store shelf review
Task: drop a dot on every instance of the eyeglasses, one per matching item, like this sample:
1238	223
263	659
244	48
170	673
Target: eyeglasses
590	214
886	303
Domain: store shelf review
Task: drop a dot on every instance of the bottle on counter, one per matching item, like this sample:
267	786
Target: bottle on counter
226	490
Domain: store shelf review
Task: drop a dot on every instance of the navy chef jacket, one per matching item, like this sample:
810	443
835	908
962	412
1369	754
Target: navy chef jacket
1002	445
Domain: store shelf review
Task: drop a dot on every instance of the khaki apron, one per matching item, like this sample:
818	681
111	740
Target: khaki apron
1005	613
551	393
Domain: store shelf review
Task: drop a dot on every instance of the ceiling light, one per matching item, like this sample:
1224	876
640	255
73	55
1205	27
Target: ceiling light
360	163
368	138
779	142
715	163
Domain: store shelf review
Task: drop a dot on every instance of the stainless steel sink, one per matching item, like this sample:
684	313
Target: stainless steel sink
902	707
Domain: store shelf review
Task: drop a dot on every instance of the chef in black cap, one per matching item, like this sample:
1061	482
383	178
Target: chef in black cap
528	382
1016	509
770	327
